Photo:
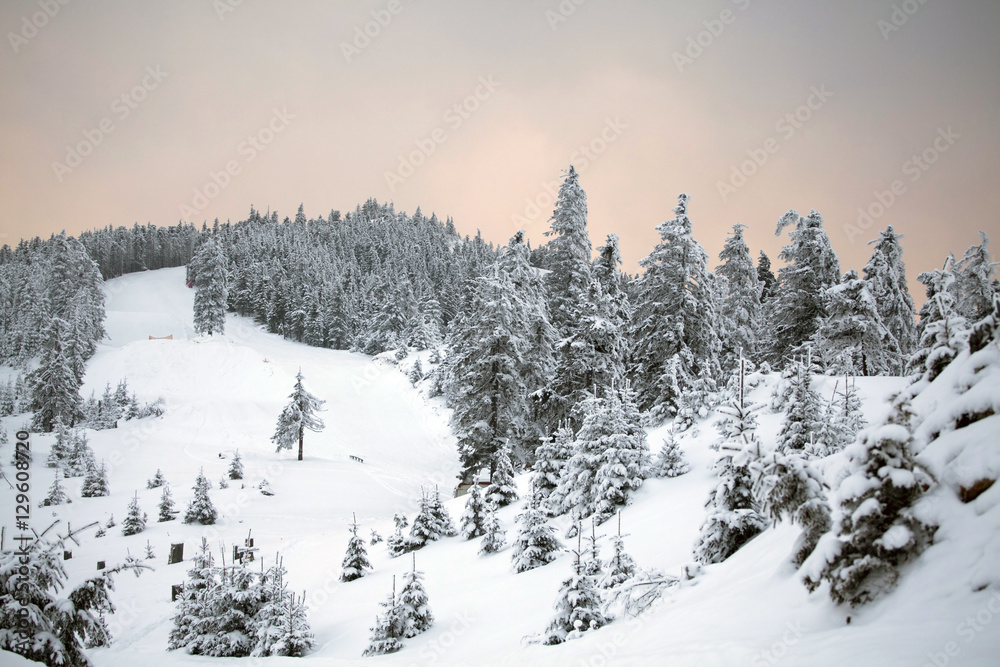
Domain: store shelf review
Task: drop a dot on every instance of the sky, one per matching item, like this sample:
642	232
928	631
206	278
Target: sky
871	112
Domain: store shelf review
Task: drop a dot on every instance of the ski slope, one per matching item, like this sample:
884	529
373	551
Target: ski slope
225	392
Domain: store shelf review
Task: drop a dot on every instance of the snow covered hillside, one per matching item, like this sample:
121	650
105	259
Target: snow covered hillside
225	393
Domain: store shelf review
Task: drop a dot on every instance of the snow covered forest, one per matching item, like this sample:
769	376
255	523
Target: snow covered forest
794	447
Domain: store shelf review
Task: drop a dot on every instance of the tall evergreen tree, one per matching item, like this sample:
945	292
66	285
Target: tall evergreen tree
55	383
885	277
852	336
569	280
550	461
675	326
811	267
211	291
768	283
298	415
741	311
975	281
942	330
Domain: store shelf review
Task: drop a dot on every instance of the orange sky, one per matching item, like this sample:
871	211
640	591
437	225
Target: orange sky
833	99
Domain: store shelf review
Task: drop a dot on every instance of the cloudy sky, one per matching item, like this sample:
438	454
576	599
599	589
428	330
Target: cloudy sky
123	112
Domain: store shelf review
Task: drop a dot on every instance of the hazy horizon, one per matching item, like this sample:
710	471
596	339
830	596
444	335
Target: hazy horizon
198	110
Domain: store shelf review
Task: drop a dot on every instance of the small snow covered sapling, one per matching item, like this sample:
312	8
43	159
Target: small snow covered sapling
536	544
474	516
157	481
200	509
166	506
150	554
265	488
389	627
413	601
501	489
578	607
375	537
236	466
356	559
135	520
494	537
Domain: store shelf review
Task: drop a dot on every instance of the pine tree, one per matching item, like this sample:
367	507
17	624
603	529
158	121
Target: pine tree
236	466
389	627
194	616
56	494
166	506
787	487
501	490
157	481
95	484
396	543
211	291
440	519
578	606
811	267
200	509
55	383
494	534
569	280
472	523
943	332
669	461
733	518
550	461
852	335
111	521
298	415
413	603
135	520
81	461
62	448
803	420
296	638
740	315
501	355
620	567
843	420
876	532
45	619
625	461
768	283
675	326
885	277
536	544
282	625
356	559
975	282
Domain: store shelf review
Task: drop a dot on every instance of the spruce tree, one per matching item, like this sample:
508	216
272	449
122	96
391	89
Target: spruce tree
625	461
472	523
356	559
768	283
135	519
885	277
675	326
975	281
194	616
62	448
740	315
843	420
494	534
669	461
786	486
56	494
578	606
396	543
811	267
852	336
413	603
550	460
620	567
166	506
440	519
95	484
389	627
200	509
569	280
501	490
536	544
876	532
157	481
803	422
211	291
942	330
55	384
236	466
298	415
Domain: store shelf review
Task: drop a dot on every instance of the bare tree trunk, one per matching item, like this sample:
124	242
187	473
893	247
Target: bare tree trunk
301	434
